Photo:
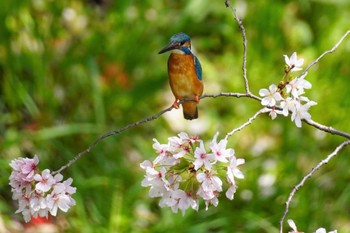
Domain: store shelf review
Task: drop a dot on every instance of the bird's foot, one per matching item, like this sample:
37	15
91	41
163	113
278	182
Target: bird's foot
196	99
175	104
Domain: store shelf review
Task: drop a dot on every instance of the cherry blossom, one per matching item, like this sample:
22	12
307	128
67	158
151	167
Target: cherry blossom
296	86
39	193
323	230
288	96
60	197
202	158
293	62
178	146
23	171
231	191
164	156
301	112
288	104
45	181
190	139
161	149
271	96
209	182
219	149
292	225
191	172
232	169
156	180
295	230
183	201
273	112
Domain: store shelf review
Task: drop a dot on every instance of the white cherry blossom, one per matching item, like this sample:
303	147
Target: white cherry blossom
270	96
293	62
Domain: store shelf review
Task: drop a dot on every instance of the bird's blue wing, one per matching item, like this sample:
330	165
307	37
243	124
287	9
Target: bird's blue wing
198	67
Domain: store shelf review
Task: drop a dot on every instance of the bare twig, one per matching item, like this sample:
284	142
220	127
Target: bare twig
244	37
308	176
231	94
111	133
326	52
250	120
327	129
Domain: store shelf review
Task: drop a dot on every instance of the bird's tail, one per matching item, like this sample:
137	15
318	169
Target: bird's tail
190	110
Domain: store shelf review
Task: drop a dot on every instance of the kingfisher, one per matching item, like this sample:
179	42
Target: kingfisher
185	74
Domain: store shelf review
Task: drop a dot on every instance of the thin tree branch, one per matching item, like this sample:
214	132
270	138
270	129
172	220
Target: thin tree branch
244	37
231	94
326	52
327	129
250	120
111	133
308	176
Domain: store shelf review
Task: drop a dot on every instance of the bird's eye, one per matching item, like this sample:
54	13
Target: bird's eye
182	43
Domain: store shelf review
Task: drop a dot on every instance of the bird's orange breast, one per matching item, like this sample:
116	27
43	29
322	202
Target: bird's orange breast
183	79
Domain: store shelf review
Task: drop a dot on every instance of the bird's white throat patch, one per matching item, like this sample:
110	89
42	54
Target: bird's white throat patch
178	51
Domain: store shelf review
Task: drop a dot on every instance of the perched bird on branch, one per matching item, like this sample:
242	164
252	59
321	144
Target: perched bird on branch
185	74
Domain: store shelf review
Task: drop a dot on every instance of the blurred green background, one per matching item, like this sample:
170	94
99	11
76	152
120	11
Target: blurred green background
72	70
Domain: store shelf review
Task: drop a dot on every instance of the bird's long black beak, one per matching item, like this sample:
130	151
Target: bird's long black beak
169	47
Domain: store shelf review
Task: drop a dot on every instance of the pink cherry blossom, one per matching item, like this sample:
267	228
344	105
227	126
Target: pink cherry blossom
161	149
49	195
188	172
178	147
219	149
202	158
45	181
233	171
60	197
231	191
183	201
189	139
209	181
296	86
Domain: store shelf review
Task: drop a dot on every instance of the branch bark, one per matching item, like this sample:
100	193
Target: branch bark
325	53
244	38
308	176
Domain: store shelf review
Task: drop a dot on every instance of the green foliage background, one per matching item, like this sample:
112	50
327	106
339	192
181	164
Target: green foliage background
72	70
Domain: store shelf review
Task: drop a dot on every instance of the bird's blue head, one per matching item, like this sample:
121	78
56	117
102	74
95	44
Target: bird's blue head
180	43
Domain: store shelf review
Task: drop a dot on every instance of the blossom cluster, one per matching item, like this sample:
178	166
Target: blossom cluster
295	230
288	97
184	172
39	193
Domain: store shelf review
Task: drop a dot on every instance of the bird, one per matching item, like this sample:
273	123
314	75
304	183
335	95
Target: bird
185	74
